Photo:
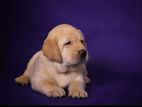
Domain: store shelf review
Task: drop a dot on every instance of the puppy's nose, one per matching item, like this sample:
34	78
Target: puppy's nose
82	53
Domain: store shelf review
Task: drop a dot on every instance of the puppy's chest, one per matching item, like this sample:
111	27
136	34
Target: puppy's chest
64	79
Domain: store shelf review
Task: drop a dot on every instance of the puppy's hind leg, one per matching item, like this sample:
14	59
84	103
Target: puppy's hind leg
87	79
25	78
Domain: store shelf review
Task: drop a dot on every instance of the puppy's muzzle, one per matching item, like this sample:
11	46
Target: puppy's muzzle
82	53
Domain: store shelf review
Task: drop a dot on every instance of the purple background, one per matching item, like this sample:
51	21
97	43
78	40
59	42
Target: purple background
113	32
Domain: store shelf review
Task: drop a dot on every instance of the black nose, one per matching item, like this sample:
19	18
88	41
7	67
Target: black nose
82	53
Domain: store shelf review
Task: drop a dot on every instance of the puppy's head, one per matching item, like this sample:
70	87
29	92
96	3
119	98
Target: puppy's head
65	44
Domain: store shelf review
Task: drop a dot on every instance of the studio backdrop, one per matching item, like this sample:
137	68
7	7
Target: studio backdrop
113	33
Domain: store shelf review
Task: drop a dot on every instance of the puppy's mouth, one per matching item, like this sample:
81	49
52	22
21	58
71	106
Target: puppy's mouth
82	60
72	65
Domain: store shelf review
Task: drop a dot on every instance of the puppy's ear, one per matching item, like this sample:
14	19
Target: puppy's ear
51	50
84	43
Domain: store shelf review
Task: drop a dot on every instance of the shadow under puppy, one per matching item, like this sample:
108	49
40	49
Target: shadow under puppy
59	64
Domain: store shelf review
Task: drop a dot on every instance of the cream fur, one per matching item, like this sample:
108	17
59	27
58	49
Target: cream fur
49	74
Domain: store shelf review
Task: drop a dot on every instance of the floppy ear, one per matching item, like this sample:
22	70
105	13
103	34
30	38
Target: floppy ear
84	43
51	50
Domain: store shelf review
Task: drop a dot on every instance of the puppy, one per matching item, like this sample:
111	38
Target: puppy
59	64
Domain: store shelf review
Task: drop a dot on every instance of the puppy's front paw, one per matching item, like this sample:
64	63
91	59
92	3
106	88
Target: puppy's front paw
78	93
55	92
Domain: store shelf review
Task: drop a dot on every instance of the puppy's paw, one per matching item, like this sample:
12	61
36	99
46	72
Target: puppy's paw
55	92
23	80
78	93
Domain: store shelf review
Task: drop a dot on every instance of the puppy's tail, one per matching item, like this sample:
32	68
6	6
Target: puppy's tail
25	78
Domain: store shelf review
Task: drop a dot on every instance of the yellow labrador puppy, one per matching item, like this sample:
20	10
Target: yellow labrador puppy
59	64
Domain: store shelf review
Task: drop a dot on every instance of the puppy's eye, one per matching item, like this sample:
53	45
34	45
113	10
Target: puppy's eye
81	41
68	43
